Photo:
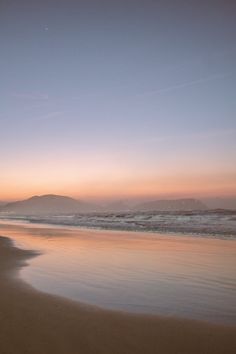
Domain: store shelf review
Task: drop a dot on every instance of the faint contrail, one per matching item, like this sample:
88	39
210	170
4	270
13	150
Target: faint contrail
186	84
47	116
35	119
31	96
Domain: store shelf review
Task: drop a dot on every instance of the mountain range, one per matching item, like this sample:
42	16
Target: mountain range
171	205
56	204
48	204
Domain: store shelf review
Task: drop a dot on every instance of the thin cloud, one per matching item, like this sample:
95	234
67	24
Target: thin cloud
198	135
185	84
43	117
47	116
31	96
214	134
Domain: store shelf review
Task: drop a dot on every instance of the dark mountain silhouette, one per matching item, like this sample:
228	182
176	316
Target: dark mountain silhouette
49	204
171	205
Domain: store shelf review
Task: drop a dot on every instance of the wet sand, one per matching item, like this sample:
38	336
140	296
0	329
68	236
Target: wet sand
37	323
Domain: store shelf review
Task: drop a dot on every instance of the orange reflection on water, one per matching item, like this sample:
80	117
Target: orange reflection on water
140	272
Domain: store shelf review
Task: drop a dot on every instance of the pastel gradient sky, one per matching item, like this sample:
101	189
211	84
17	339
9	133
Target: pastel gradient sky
104	99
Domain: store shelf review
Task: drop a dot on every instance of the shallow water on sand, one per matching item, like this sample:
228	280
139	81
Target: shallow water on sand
137	272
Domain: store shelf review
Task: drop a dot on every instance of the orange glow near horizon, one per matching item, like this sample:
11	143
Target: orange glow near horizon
160	187
108	176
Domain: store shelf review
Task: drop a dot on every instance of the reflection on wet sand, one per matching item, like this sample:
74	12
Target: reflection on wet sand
137	272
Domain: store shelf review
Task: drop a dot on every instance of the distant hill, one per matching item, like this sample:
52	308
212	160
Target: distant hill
221	203
171	205
48	204
2	203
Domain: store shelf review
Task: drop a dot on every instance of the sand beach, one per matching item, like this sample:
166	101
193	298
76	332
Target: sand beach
34	322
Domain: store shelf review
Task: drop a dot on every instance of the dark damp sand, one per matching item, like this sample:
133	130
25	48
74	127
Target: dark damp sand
36	323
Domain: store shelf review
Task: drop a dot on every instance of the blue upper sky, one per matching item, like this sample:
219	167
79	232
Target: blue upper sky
120	92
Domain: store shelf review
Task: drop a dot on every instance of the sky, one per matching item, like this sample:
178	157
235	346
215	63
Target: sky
117	99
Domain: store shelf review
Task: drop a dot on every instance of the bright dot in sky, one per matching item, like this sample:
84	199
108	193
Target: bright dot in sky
46	28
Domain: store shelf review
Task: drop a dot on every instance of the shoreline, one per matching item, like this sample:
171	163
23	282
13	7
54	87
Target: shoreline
106	222
34	322
154	233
